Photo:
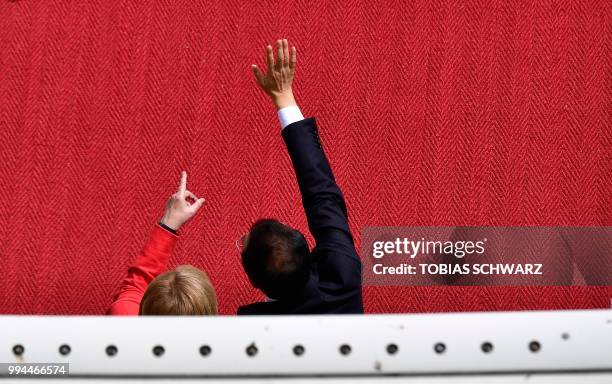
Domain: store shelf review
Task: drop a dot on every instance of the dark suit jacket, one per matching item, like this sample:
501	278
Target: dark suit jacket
335	279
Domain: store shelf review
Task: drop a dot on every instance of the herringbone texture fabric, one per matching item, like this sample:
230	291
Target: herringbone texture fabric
432	113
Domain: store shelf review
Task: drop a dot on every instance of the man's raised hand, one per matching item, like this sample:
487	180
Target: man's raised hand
181	206
277	81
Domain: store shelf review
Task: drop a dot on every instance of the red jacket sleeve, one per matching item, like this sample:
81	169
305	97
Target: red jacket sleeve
148	265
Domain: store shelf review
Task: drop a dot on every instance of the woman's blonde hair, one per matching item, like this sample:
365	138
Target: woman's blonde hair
184	291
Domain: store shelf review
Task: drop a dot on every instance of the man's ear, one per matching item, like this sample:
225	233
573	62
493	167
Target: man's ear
249	277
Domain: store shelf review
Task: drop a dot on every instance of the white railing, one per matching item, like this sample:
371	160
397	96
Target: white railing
370	345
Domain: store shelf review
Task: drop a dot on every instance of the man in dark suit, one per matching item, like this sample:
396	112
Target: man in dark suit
275	256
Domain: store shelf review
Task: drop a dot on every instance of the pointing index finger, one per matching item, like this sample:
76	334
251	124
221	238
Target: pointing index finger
183	184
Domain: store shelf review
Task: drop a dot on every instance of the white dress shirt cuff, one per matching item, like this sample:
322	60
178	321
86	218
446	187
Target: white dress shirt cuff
289	115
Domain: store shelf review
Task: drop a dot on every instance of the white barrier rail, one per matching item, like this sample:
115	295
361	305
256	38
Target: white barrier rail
296	346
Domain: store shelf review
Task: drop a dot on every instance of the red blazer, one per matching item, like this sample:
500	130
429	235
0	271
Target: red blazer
148	265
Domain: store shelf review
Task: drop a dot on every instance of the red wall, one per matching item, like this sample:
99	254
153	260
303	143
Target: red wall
432	113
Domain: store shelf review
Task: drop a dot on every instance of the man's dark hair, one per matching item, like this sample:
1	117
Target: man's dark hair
276	258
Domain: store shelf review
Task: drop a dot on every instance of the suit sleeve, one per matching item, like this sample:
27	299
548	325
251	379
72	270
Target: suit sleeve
339	264
148	265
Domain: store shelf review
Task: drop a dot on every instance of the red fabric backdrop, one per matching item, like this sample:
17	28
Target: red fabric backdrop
432	113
